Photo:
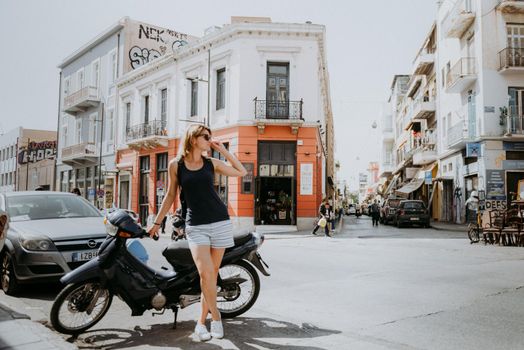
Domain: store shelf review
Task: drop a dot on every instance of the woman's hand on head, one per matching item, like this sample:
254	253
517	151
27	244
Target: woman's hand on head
217	146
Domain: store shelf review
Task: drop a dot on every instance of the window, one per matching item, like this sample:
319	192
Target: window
93	128
220	182
163	106
450	167
96	73
64	135
81	79
146	109
113	68
161	177
194	98
221	89
78	131
110	130
515	36
128	116
67	86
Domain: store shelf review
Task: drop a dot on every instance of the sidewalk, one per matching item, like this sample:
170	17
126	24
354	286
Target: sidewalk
446	226
17	331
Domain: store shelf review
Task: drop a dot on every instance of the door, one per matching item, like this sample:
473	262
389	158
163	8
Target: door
258	202
512	184
277	91
143	196
123	201
516	111
447	208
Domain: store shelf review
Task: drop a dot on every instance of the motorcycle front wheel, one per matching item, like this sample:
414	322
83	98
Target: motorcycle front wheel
239	289
79	306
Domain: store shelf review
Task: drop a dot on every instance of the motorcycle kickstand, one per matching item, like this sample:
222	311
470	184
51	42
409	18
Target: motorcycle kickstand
175	310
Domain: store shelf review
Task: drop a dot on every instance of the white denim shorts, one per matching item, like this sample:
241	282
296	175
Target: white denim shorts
216	235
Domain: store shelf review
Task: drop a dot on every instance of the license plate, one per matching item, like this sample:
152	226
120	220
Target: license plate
414	219
84	256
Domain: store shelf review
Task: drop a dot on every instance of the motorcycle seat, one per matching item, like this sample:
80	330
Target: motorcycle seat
178	253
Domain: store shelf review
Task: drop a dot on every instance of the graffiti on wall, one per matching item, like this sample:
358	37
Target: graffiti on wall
138	56
37	151
148	43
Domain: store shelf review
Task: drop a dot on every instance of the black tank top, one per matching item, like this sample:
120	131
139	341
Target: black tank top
204	206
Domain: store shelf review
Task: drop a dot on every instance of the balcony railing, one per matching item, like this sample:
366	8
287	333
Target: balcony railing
514	122
423	108
290	110
458	19
457	135
511	57
511	6
461	74
81	100
146	130
79	153
424	61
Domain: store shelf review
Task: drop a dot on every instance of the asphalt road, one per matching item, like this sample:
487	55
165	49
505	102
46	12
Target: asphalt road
367	288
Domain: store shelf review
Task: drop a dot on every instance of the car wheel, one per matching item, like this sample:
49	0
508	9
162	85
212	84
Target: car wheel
7	275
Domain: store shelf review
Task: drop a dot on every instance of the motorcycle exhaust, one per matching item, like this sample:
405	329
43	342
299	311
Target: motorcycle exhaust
158	301
186	300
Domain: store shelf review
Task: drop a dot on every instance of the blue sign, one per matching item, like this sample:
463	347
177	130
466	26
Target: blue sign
91	193
513	146
428	178
473	149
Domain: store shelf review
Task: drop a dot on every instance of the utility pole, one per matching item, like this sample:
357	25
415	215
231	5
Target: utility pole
27	165
208	83
100	154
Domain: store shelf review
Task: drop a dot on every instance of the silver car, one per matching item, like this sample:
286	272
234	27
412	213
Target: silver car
49	234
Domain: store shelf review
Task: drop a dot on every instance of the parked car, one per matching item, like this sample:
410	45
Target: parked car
3	228
412	212
49	234
351	210
388	210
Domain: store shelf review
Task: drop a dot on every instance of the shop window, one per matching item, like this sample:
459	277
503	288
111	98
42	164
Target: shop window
161	178
220	182
247	181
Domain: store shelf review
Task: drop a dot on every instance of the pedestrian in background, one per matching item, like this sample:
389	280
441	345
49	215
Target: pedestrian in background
76	191
375	213
326	213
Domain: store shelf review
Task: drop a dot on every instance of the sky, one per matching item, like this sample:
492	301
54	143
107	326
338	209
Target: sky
367	43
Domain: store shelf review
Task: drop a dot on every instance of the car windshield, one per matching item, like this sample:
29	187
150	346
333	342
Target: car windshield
413	205
51	206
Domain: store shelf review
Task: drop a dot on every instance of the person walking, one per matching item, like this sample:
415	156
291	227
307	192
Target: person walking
325	212
208	228
375	213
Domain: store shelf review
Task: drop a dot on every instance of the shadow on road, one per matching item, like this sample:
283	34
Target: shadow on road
243	332
47	291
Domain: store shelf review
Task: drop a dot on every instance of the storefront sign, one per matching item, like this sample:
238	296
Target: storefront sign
513	164
247	181
496	205
495	185
37	151
473	149
306	179
513	146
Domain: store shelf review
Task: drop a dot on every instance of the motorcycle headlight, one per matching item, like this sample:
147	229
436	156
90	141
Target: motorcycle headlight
110	228
259	238
35	243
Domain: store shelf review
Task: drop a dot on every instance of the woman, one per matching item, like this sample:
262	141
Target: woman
325	212
208	228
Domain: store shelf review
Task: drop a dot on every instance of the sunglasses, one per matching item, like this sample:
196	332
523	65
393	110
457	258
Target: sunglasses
205	136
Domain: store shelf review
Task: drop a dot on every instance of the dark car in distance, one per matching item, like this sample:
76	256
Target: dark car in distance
388	210
412	212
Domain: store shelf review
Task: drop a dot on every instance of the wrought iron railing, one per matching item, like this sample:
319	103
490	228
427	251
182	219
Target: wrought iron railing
514	121
291	110
457	133
511	57
151	128
464	67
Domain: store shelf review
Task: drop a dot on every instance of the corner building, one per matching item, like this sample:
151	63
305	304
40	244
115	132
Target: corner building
263	88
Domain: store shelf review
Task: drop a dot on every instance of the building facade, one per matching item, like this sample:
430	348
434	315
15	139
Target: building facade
27	159
263	88
88	110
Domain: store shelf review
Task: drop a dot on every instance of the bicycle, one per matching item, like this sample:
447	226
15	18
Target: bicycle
475	229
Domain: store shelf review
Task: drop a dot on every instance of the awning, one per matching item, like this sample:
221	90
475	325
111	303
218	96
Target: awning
411	186
391	184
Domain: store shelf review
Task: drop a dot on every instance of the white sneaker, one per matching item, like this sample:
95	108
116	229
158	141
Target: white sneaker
217	330
201	332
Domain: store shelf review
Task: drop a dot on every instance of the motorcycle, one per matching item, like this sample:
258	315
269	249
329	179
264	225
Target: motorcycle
90	288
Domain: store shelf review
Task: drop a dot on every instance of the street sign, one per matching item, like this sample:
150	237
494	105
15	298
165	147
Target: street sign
91	193
428	179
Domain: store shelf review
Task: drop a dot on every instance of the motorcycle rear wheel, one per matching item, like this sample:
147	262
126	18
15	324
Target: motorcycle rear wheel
242	295
72	303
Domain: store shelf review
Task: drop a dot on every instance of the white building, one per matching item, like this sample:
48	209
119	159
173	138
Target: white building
263	88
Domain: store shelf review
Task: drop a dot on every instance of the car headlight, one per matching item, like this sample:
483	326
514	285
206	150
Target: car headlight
36	243
110	228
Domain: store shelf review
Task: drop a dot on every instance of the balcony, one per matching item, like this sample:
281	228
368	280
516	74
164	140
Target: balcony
424	62
458	136
514	123
461	75
423	156
511	60
458	19
511	6
81	100
80	154
148	135
423	108
278	113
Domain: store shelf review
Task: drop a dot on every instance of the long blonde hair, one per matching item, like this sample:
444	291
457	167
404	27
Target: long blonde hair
186	145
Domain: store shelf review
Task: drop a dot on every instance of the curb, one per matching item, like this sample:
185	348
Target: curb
452	229
14	314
